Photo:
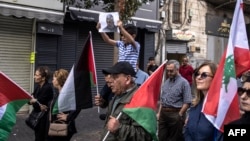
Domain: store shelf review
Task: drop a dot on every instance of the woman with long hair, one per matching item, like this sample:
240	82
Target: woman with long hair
198	128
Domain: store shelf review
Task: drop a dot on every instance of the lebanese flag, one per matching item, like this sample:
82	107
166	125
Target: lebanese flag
12	98
144	102
221	103
76	92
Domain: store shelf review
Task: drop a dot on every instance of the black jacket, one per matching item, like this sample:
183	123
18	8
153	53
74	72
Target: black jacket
245	119
44	95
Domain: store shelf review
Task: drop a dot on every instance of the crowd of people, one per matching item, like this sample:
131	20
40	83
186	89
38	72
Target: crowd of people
182	95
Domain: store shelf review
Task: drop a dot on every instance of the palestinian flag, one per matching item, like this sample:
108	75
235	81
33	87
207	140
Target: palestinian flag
76	92
144	102
221	103
12	98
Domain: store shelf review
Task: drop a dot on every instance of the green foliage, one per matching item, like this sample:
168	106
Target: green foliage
126	11
229	71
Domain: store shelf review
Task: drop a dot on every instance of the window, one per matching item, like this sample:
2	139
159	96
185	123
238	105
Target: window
176	17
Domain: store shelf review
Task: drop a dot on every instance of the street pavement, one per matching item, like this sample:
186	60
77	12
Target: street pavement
88	125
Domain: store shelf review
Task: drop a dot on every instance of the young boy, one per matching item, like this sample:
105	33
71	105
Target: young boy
128	48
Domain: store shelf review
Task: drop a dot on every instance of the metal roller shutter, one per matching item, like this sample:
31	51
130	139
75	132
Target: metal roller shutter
46	51
176	47
149	49
104	53
68	47
15	48
73	39
62	51
147	42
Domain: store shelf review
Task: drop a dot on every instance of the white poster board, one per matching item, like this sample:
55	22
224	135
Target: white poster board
108	22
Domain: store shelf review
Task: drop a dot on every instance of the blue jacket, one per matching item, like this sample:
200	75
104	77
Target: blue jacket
198	128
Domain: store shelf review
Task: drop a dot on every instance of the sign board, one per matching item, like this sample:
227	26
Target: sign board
49	28
180	35
217	26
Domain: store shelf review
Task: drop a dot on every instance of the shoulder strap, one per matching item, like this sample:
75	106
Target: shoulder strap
50	109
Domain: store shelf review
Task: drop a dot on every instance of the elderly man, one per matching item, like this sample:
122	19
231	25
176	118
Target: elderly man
123	86
175	100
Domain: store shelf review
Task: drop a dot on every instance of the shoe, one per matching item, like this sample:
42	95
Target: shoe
102	116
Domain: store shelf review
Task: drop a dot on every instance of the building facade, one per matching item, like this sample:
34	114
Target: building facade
18	21
201	26
53	33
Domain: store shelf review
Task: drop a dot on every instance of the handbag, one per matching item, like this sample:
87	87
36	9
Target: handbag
34	118
58	128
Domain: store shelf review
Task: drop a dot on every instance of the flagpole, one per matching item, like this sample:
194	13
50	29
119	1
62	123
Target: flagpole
97	90
105	137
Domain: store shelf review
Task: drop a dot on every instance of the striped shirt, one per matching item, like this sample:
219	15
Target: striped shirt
128	53
176	93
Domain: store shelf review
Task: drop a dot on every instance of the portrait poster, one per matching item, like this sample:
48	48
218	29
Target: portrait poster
108	21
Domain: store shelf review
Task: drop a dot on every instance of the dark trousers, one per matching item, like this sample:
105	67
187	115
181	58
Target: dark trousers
40	131
170	126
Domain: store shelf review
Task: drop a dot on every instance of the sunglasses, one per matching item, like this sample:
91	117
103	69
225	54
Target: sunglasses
202	75
241	91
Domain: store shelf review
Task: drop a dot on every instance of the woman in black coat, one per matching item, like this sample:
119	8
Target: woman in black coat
42	96
59	78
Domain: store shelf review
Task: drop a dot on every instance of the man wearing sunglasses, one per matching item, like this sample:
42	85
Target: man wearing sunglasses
175	100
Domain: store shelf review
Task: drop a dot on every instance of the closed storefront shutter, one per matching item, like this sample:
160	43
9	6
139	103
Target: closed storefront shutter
73	40
67	49
147	41
176	47
15	49
103	52
47	48
63	51
149	49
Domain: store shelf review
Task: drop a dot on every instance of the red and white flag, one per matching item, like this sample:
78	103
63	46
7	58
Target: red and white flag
221	103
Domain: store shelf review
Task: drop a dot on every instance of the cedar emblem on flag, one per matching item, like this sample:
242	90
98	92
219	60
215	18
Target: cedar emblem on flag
12	98
221	103
76	92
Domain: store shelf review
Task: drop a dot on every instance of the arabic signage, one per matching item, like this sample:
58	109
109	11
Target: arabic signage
218	26
180	35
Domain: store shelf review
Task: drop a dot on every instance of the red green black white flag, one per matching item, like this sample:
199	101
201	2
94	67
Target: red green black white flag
144	102
76	92
12	98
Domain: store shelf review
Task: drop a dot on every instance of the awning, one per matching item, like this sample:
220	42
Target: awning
91	15
30	12
83	14
151	25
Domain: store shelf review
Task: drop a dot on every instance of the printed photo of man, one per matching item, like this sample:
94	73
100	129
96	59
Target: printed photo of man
108	22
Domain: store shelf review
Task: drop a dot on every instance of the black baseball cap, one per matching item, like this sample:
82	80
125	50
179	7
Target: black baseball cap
120	67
